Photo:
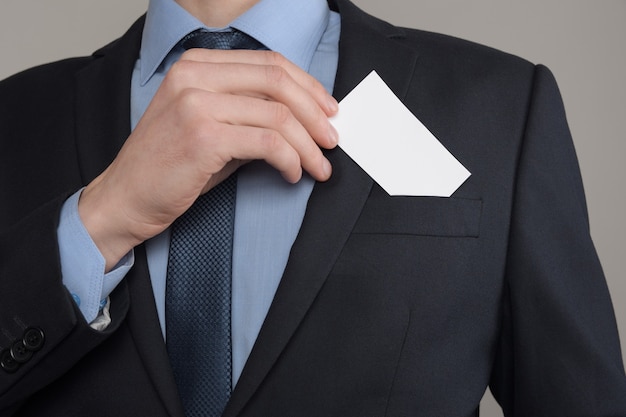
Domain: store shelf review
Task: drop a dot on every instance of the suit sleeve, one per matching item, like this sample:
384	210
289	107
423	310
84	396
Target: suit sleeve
559	352
42	331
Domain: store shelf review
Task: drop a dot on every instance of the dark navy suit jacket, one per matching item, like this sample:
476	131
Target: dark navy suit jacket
389	306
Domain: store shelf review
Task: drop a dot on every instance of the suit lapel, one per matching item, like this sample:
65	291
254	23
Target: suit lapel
103	124
146	333
334	206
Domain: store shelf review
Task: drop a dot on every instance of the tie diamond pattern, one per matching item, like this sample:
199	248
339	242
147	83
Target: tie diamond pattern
220	40
198	288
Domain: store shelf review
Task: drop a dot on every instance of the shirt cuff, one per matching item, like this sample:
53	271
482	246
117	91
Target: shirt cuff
82	264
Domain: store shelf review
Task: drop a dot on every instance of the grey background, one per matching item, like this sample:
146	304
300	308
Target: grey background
582	42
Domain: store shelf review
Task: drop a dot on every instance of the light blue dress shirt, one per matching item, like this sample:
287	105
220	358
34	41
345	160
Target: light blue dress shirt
269	210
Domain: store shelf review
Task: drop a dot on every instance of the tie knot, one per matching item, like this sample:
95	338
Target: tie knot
234	39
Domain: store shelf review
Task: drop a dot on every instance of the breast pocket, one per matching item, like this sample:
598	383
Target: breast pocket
423	216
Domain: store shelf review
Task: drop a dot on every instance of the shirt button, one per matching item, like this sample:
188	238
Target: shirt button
33	339
20	353
7	363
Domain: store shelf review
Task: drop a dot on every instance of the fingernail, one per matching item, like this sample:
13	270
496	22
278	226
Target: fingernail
333	134
332	104
328	168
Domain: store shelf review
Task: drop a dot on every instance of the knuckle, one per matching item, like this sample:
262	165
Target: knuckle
193	54
179	74
270	140
194	117
275	75
180	68
274	58
189	101
281	114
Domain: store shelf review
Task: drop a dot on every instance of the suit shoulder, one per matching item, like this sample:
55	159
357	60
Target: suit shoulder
56	77
437	44
471	70
58	69
48	80
462	53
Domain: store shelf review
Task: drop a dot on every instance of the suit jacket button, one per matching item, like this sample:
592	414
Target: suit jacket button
33	339
20	353
7	363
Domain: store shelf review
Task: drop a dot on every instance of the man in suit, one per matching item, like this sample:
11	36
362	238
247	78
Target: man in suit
395	306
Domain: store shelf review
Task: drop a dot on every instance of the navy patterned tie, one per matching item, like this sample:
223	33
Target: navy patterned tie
198	288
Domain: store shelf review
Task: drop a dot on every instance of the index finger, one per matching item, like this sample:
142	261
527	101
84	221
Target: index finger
268	58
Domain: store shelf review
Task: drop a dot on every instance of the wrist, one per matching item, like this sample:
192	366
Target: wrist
104	221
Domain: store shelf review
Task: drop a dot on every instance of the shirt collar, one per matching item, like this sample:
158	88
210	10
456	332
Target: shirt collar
292	27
